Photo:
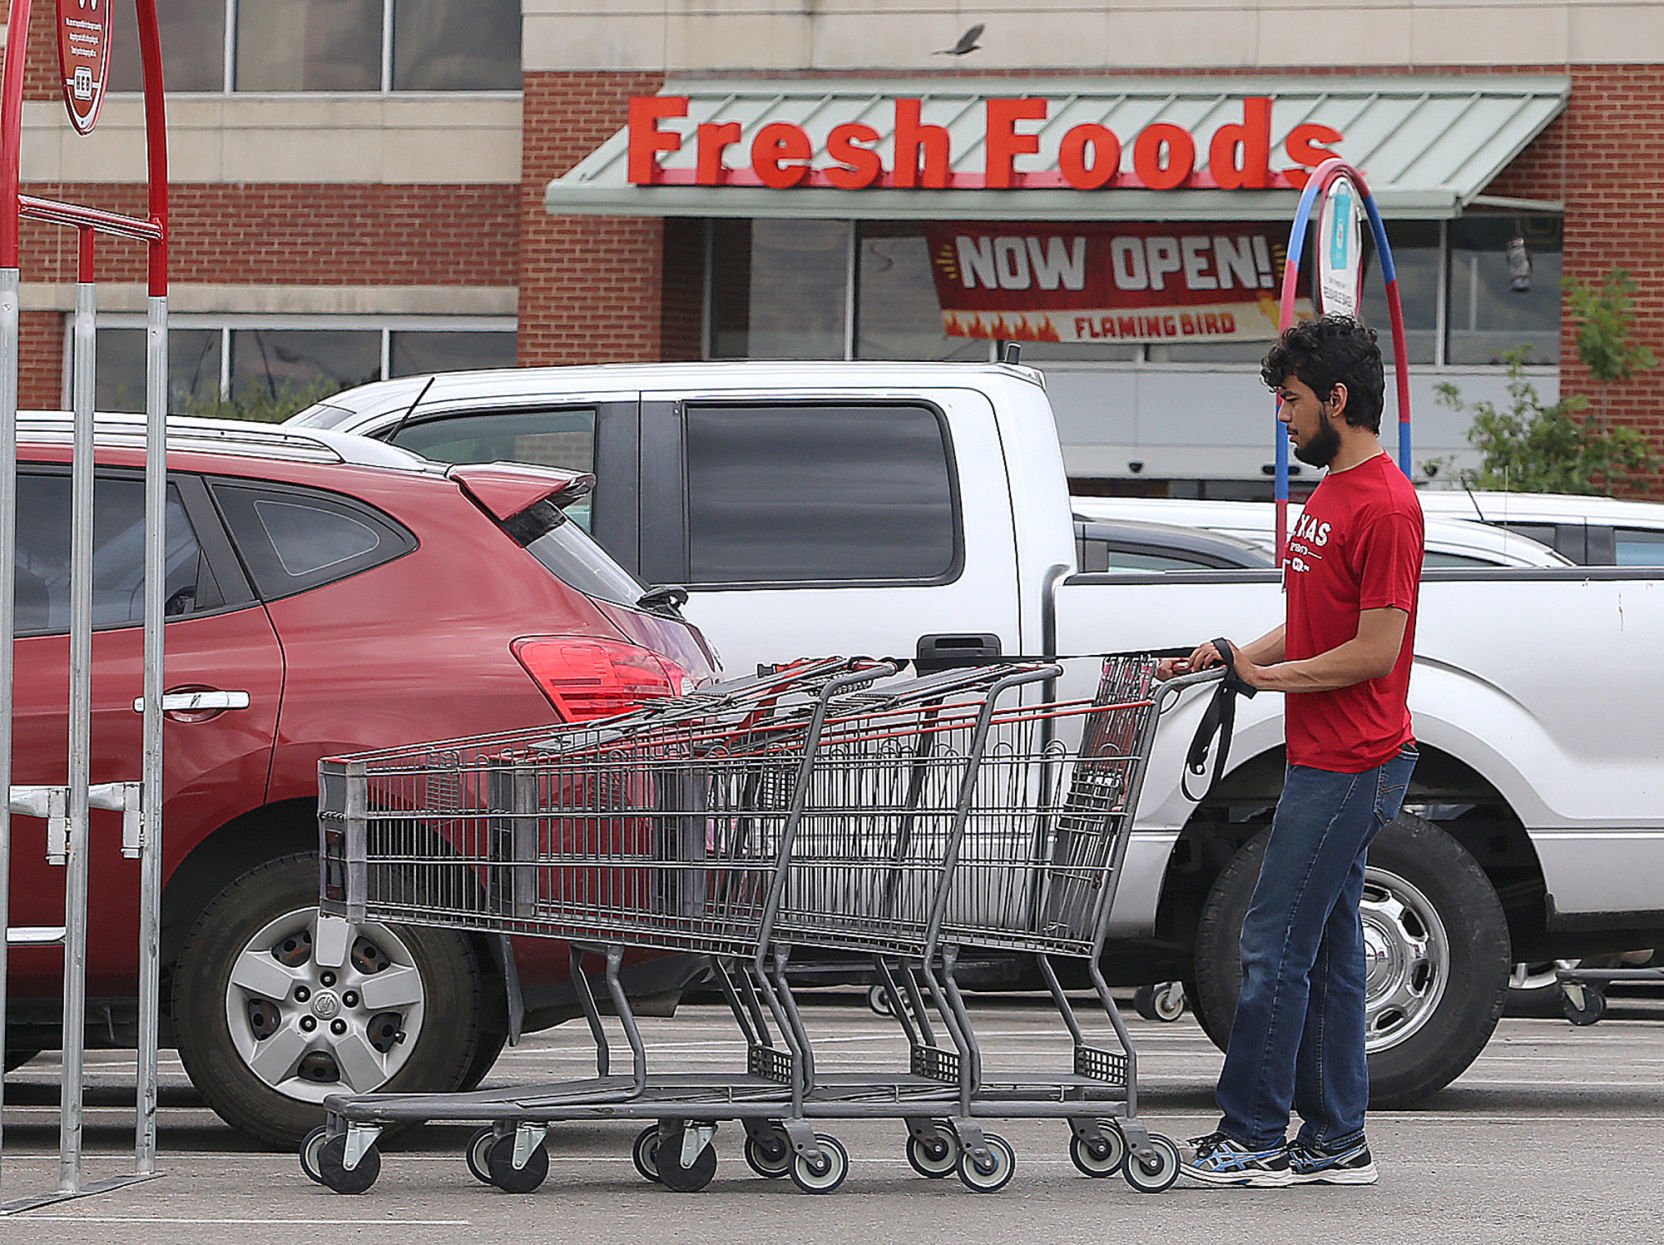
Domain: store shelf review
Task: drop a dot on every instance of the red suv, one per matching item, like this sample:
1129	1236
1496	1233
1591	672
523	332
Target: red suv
362	598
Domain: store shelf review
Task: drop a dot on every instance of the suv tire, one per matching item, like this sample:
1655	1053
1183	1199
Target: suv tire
266	1030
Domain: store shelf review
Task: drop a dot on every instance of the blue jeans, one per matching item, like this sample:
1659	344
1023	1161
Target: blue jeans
1298	1037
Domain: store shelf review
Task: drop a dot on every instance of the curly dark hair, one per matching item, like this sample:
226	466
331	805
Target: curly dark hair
1330	351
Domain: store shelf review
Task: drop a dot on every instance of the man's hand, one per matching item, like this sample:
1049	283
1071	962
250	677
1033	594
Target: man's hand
1204	657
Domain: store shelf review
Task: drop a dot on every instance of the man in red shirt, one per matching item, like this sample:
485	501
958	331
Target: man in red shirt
1352	571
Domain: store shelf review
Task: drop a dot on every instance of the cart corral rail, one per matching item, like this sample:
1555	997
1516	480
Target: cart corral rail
924	508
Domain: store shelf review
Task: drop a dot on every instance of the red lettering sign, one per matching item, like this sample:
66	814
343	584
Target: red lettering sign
84	58
1133	283
1087	156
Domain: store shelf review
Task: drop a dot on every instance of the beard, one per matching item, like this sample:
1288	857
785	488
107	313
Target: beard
1321	449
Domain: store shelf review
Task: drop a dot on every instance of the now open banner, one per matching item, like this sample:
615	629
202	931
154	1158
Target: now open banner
1144	282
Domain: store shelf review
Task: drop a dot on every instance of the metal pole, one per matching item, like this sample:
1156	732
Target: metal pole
10	284
150	854
80	724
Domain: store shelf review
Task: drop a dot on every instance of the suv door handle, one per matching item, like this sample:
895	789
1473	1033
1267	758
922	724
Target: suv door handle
197	702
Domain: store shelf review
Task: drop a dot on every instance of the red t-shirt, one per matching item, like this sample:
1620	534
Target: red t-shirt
1357	546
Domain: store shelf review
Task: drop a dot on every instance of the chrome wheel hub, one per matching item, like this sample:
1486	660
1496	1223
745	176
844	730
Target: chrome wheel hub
1407	954
316	1006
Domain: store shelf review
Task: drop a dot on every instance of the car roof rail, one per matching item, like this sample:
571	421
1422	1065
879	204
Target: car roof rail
185	433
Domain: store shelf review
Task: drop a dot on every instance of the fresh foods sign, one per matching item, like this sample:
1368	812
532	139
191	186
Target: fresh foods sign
913	154
1109	283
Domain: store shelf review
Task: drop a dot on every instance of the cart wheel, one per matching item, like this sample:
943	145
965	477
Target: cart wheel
1162	1001
645	1153
935	1157
478	1153
499	1161
1002	1165
1591	1010
768	1152
690	1179
878	999
828	1174
1105	1161
309	1147
1157	1174
332	1157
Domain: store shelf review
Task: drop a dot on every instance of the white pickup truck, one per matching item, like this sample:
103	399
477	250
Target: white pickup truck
892	508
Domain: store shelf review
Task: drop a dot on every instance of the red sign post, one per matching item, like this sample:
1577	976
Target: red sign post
84	58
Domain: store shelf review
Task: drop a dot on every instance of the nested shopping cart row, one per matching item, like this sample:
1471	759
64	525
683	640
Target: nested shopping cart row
832	805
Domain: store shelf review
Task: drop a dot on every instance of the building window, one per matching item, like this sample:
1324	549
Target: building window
1490	314
807	289
780	289
896	312
279	46
295	361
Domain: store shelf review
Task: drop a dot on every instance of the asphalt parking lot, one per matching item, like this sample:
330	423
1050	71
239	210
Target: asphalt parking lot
1552	1134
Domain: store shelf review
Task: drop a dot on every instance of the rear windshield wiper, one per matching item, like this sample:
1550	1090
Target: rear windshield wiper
661	596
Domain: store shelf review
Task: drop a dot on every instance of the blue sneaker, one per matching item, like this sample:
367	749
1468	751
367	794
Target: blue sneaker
1220	1160
1350	1163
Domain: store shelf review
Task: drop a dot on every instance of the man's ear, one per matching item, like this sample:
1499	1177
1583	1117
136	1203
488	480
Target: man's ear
1337	399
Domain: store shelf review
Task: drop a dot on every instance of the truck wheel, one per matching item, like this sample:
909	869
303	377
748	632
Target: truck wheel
267	1029
1438	957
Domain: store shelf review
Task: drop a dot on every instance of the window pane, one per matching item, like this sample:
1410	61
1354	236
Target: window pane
555	538
1633	546
413	353
812	493
43	553
193	369
292	539
275	362
308	45
779	289
193	47
456	45
560	438
1487	316
1416	257
898	316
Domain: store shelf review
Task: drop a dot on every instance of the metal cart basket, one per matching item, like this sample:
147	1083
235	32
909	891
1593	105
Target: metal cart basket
817	807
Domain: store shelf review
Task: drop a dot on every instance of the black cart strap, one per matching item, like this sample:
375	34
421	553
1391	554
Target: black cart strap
1218	719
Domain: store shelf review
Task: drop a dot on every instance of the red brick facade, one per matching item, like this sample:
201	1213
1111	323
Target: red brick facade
622	289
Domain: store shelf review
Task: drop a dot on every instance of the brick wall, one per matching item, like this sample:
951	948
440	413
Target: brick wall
592	288
40	364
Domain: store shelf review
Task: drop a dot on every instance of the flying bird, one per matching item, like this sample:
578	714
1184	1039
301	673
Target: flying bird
967	42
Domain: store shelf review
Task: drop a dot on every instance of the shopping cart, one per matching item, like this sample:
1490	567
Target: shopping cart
826	813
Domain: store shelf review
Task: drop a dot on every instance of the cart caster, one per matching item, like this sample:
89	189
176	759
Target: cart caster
993	1175
310	1145
645	1153
1106	1157
937	1155
690	1179
499	1162
1155	1174
828	1174
332	1171
878	999
478	1153
768	1152
1584	1010
1163	1001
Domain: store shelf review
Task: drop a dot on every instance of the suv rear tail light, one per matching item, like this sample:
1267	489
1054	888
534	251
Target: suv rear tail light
586	678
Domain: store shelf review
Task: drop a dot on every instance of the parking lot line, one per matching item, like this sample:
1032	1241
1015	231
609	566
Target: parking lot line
263	1222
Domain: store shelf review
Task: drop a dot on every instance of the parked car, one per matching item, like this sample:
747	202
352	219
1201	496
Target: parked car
1129	545
362	597
908	507
1593	531
1451	542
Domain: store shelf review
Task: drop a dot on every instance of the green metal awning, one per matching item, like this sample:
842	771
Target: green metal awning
1428	146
